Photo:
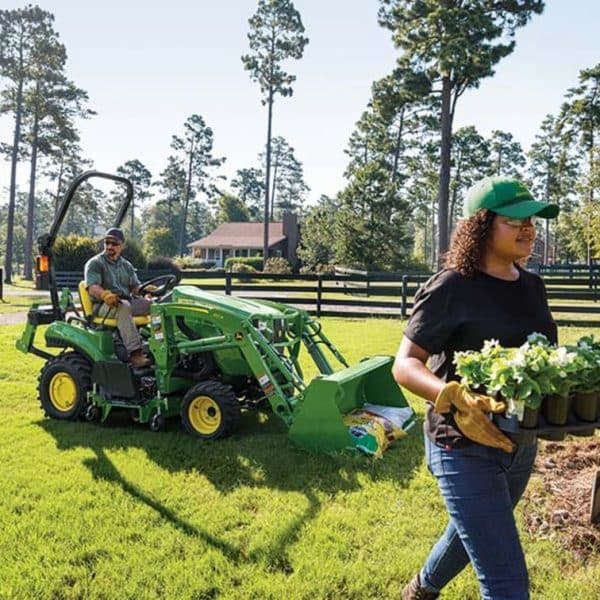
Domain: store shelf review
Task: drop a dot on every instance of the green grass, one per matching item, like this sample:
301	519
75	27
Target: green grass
14	304
115	511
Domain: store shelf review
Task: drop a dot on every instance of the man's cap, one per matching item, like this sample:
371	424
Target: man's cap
508	197
116	234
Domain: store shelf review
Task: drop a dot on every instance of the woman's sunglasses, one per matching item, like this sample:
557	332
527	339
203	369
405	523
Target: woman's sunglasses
520	223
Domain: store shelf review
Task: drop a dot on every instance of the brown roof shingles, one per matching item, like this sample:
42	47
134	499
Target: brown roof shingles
240	235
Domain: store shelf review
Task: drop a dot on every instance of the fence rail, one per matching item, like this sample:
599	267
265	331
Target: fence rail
358	295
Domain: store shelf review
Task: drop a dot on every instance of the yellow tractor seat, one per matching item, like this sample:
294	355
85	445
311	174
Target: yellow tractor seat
88	310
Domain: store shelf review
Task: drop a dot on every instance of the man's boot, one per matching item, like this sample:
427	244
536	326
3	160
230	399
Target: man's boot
415	591
138	359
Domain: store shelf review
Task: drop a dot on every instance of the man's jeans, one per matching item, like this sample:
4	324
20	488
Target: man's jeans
124	313
480	486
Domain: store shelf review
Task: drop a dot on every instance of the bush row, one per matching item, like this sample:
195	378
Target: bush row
71	252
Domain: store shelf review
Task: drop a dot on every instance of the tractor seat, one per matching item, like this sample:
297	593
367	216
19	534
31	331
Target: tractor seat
88	310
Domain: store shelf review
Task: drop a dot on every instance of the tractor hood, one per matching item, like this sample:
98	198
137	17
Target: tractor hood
242	307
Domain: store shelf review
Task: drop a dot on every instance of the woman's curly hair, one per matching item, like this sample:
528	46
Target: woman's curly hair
468	243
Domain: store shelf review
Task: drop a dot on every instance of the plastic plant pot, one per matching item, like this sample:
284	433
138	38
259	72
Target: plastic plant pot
585	406
556	409
530	418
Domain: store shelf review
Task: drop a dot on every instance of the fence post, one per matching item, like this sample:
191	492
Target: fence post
404	294
367	287
1	283
319	294
228	283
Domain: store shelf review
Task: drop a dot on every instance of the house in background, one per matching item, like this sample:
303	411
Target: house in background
246	239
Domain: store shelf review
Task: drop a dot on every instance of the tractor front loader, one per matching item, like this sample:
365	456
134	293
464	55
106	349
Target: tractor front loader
213	355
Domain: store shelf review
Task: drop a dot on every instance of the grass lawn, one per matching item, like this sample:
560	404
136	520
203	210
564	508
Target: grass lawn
13	304
116	511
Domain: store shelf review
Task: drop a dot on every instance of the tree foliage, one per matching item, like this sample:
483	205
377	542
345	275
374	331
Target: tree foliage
194	155
456	43
141	179
276	35
231	209
29	50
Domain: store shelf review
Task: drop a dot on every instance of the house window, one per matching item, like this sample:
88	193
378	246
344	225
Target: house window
211	254
241	252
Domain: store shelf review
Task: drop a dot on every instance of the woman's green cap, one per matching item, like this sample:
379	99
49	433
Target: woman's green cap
507	197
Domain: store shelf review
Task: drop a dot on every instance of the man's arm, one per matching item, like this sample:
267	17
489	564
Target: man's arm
96	290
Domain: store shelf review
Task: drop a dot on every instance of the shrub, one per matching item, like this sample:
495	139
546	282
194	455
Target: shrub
163	263
134	254
319	269
71	252
188	262
278	264
243	268
254	261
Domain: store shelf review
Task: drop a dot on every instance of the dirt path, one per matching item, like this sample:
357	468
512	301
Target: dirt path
13	318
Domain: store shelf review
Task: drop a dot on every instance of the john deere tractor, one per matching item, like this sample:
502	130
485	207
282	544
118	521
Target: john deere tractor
213	356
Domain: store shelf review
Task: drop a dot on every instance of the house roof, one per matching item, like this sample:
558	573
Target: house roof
240	235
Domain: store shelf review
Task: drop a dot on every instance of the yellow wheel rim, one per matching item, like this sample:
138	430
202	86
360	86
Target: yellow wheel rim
204	415
63	392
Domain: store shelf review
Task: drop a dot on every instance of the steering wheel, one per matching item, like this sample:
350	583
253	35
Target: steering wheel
164	284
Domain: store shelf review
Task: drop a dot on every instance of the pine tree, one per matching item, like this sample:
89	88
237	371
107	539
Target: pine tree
276	35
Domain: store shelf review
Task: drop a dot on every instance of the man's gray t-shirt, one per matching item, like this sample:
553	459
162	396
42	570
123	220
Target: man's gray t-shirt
118	276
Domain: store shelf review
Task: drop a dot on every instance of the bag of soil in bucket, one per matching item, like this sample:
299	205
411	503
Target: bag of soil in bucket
375	427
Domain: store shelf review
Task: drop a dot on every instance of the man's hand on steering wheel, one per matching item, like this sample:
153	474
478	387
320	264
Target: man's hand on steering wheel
158	286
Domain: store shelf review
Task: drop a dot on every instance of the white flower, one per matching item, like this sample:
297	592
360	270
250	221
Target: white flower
519	359
561	357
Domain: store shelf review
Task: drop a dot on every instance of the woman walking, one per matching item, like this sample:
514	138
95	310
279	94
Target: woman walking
482	293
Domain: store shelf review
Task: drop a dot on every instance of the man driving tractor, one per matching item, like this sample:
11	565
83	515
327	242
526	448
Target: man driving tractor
112	282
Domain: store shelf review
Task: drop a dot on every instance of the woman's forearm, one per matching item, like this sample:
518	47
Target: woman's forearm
413	374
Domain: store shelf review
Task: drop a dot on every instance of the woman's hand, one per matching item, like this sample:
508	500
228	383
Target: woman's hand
471	415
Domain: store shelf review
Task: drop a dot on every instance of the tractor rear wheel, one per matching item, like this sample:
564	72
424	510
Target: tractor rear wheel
63	386
210	410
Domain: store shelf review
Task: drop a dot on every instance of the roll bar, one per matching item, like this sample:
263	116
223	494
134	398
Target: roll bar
46	241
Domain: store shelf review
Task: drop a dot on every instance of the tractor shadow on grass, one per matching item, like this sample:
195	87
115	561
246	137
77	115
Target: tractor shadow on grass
259	457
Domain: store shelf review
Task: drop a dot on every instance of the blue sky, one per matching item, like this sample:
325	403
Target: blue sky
148	65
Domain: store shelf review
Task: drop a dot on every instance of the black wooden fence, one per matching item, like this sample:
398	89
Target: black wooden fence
573	296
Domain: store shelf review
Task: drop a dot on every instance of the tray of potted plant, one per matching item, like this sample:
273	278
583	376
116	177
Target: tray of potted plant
585	388
538	382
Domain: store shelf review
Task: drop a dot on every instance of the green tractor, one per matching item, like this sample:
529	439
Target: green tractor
213	356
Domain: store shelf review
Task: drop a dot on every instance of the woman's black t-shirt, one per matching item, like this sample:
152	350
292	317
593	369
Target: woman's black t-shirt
452	312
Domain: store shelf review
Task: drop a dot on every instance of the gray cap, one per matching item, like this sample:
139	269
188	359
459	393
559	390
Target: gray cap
116	234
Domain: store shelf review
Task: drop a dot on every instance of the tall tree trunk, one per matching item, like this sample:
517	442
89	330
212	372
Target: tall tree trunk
27	268
444	177
398	147
547	228
267	180
132	233
188	190
433	229
59	183
454	195
10	225
274	187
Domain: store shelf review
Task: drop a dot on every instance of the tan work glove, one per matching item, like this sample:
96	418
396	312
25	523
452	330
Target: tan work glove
110	298
471	415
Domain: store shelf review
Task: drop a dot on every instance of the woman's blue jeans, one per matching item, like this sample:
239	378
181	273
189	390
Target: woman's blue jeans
480	486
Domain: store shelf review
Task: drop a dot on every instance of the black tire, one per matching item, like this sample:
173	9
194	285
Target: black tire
210	410
63	385
157	423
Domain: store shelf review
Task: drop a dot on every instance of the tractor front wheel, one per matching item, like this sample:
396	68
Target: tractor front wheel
63	386
210	410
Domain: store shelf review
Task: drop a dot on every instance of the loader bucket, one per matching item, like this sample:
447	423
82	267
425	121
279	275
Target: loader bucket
318	423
